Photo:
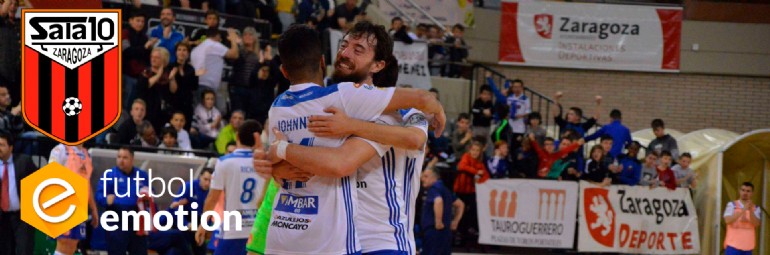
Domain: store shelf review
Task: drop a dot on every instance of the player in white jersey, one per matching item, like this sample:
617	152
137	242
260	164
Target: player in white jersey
316	217
243	188
385	220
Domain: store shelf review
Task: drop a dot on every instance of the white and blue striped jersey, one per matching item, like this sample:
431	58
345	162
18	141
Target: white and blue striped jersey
234	173
387	191
317	217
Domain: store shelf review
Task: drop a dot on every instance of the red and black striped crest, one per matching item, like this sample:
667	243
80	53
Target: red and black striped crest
71	72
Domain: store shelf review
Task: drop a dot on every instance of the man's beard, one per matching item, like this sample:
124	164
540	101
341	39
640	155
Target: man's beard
357	76
165	22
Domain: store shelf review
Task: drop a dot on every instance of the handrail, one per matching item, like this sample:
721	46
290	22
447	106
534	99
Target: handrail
539	102
423	12
412	21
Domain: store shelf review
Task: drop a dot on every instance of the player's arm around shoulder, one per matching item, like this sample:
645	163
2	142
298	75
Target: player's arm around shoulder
410	135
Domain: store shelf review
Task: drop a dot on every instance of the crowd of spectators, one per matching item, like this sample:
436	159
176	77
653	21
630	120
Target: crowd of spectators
447	53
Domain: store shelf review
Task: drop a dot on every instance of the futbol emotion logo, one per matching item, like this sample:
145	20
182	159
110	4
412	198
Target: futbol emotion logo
71	72
599	215
54	199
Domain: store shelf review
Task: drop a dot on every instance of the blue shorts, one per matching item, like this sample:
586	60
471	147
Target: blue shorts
387	252
77	233
732	251
231	247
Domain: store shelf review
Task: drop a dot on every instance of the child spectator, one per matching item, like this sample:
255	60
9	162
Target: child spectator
228	133
169	136
482	112
620	133
524	161
566	166
462	135
499	164
596	172
207	120
685	176
574	118
145	135
649	170
547	156
470	169
127	130
630	169
608	160
663	141
502	131
534	127
182	137
665	175
458	51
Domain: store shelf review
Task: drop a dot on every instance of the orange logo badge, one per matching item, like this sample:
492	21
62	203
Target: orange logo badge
54	199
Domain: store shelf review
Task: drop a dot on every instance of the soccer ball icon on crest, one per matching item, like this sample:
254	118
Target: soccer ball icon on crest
72	106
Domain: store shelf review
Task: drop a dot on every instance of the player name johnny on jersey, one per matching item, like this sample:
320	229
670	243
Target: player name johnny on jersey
71	38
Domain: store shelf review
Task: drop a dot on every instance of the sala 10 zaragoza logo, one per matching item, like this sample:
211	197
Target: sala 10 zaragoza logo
71	72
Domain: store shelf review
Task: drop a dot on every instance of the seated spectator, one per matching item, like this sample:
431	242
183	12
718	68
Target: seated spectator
183	84
666	176
534	127
136	54
566	166
127	130
663	141
154	87
649	170
574	118
208	58
169	141
630	170
462	136
547	156
227	134
207	119
499	164
621	136
178	122
231	146
525	161
685	176
345	14
202	5
11	121
164	34
212	22
596	172
145	135
437	54
482	112
458	51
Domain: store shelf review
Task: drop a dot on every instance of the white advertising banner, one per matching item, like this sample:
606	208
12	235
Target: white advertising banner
637	220
447	12
527	213
591	36
412	61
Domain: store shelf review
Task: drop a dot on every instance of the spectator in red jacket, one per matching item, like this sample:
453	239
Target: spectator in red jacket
665	174
547	156
470	169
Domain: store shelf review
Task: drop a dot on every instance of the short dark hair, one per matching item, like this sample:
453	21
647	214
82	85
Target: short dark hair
212	12
435	90
128	149
577	111
502	110
463	116
459	27
615	114
207	91
212	33
535	116
549	139
178	112
519	81
388	76
748	184
394	19
686	155
136	12
247	130
168	131
605	138
209	170
665	153
8	137
485	87
382	40
657	123
182	44
300	49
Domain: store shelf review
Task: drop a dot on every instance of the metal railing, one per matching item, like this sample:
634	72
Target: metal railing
539	102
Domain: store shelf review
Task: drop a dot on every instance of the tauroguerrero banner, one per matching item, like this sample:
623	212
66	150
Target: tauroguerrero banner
412	61
447	12
591	36
634	219
527	213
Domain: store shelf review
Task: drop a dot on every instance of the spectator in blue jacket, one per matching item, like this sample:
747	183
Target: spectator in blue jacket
620	134
630	172
117	191
437	219
164	34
